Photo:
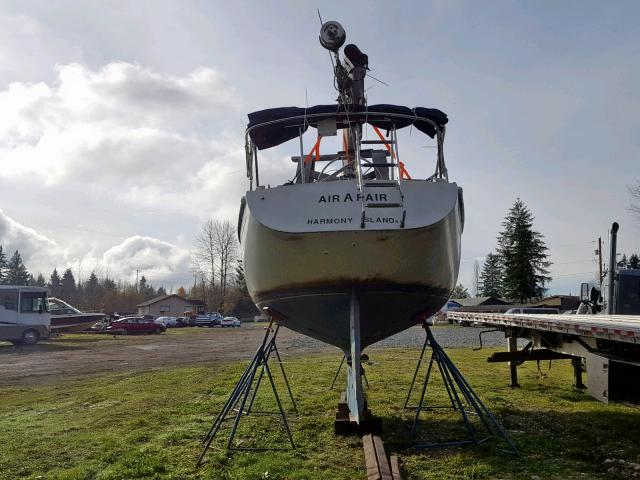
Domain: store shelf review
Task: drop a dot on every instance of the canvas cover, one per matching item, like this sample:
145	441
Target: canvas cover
274	126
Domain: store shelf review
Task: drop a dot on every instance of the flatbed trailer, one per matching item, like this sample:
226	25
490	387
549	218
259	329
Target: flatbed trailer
607	347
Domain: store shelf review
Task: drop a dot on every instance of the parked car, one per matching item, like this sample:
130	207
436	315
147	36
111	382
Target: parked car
133	325
162	321
182	322
533	311
167	321
230	322
208	320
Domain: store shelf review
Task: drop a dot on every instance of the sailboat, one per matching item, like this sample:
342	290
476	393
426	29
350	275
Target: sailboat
354	249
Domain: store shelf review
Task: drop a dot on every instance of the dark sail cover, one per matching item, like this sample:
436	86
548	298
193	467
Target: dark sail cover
273	126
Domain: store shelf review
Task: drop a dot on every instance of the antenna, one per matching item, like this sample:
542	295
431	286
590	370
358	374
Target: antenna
349	76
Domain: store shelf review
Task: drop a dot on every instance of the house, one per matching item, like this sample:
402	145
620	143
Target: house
561	302
170	305
481	304
197	306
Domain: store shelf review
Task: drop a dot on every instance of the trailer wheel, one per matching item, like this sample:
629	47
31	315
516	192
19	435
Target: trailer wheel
30	337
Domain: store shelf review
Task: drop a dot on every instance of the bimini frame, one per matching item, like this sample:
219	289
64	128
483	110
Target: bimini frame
252	152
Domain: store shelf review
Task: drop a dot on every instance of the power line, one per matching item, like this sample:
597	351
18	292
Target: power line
591	260
571	244
572	274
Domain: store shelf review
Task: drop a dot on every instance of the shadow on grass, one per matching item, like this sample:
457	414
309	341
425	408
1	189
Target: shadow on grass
550	444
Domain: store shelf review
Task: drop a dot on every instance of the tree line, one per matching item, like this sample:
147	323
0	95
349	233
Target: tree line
632	262
221	286
101	294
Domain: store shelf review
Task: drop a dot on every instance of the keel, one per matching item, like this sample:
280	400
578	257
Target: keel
355	395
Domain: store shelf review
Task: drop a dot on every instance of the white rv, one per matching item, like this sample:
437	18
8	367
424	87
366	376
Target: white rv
24	314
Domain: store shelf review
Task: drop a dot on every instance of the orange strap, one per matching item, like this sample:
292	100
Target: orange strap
316	149
403	171
345	143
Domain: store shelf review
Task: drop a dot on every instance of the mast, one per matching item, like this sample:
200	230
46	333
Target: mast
349	77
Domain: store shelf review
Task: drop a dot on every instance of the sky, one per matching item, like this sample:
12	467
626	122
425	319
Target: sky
122	122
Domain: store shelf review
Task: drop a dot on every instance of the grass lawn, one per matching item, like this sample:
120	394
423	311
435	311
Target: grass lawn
149	425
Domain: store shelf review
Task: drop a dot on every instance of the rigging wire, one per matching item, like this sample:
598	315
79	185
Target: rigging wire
377	80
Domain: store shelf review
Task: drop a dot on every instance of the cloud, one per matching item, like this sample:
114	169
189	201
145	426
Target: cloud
156	259
160	261
35	248
146	140
121	125
127	142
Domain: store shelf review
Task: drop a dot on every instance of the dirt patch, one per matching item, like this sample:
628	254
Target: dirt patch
79	355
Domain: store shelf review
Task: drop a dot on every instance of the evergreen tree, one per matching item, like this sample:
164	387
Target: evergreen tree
68	288
634	261
16	271
623	261
108	284
55	284
91	289
3	266
40	281
161	292
523	254
79	297
460	292
109	295
146	291
491	276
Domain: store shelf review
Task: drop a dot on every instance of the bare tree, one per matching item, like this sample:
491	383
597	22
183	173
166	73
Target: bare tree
226	248
476	278
214	255
634	192
205	255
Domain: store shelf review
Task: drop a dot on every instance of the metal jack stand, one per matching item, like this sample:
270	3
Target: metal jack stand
245	391
459	392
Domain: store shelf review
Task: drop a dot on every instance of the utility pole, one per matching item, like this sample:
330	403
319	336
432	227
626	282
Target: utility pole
600	258
137	284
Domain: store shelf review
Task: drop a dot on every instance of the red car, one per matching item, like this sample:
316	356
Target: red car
132	325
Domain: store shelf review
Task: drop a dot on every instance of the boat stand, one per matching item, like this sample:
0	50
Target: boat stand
462	398
243	395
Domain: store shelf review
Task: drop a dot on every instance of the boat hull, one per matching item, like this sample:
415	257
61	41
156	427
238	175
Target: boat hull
74	322
308	271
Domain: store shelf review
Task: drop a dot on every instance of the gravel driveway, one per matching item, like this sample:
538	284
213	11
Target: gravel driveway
72	356
449	336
